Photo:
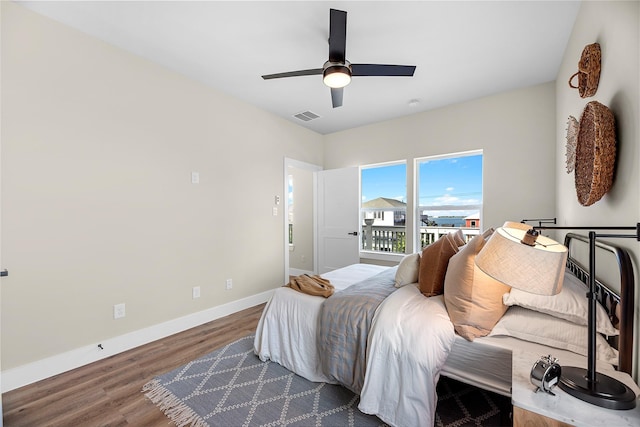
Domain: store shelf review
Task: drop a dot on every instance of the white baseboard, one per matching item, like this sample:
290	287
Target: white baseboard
35	371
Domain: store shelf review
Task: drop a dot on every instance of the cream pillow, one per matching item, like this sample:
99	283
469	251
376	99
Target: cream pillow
551	331
570	304
473	299
408	270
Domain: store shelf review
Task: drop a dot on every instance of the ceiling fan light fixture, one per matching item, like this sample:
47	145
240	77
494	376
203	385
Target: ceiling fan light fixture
336	76
337	71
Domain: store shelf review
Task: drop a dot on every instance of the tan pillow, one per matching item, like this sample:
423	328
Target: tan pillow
458	237
433	264
473	299
407	272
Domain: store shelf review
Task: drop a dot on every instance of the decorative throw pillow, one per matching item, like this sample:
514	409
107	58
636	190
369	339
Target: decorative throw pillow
433	264
548	330
408	270
473	298
570	304
458	238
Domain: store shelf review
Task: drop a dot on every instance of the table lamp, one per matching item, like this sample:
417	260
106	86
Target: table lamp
510	257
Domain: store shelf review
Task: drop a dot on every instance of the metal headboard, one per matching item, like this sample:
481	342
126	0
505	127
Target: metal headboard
620	305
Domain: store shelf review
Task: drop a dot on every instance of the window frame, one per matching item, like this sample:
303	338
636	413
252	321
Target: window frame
417	208
382	255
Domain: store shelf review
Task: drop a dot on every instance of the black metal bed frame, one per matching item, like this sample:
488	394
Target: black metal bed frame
618	305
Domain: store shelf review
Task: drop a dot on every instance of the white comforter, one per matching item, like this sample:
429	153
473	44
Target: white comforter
410	339
286	332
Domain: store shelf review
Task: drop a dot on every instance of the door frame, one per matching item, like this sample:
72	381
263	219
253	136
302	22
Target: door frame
289	162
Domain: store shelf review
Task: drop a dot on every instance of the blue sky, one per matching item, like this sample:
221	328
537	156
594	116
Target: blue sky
448	181
387	181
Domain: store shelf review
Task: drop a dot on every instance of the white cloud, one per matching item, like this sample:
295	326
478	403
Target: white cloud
446	199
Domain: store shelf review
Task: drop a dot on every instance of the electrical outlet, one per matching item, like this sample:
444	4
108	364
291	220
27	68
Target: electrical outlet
119	311
229	284
195	292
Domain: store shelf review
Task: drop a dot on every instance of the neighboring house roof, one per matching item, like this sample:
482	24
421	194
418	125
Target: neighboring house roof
383	202
474	216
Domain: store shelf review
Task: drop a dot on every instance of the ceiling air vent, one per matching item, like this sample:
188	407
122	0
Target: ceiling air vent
306	116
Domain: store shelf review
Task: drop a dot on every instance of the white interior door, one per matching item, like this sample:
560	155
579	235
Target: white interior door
338	218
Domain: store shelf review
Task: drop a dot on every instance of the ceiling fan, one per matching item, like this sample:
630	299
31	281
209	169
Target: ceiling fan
337	71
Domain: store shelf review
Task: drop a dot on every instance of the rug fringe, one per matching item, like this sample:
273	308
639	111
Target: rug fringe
172	407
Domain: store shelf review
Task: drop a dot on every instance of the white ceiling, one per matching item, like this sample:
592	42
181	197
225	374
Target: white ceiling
462	50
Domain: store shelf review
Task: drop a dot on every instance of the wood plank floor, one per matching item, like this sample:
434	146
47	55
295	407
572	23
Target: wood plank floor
109	392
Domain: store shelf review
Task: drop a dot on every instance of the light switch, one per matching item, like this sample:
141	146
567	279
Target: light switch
275	211
195	178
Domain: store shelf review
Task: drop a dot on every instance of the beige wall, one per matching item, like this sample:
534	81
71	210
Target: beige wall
516	130
616	27
98	147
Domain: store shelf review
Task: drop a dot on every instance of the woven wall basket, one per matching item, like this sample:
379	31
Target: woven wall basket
595	153
572	140
588	71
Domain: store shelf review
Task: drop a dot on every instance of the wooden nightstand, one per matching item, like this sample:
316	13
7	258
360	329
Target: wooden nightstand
524	418
542	409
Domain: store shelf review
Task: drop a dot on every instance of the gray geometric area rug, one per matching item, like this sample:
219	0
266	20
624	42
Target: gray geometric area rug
232	387
461	405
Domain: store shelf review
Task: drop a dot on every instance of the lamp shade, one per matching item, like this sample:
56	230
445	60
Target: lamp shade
518	225
537	269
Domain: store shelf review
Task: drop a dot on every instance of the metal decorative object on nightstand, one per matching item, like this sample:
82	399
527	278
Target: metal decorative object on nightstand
560	410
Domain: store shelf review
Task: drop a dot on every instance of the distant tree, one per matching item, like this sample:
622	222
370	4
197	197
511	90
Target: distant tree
400	243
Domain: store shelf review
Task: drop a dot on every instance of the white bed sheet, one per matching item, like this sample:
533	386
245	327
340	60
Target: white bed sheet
486	362
286	332
408	344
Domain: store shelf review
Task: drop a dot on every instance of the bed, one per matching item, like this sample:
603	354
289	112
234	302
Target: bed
411	340
286	332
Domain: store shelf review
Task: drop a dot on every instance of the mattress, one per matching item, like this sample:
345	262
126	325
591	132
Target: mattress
486	362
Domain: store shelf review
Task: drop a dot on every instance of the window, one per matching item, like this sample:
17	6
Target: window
383	207
449	196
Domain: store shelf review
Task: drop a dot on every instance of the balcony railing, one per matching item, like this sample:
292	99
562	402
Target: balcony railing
392	239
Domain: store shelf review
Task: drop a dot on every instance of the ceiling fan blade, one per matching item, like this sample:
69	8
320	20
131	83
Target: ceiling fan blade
311	72
336	97
382	70
337	35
